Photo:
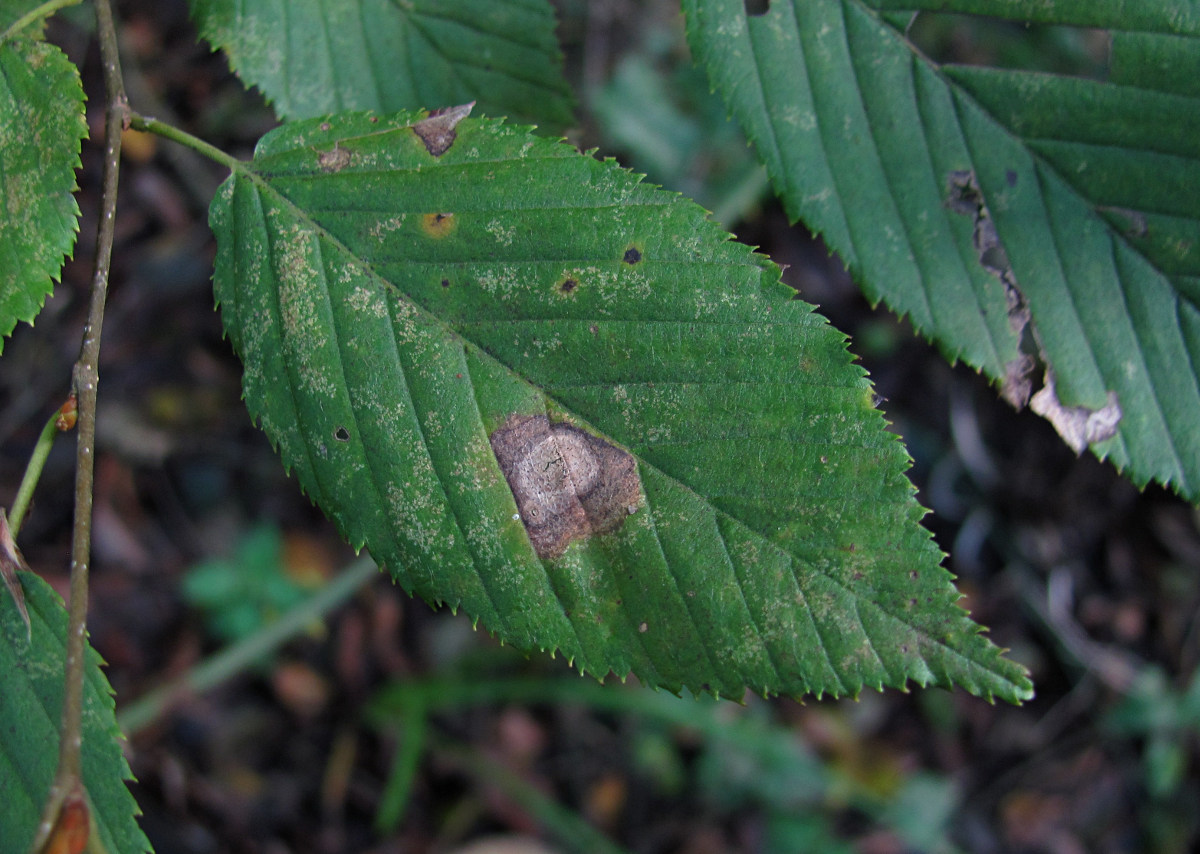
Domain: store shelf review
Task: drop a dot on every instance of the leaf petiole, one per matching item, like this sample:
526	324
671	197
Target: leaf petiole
151	125
43	11
33	470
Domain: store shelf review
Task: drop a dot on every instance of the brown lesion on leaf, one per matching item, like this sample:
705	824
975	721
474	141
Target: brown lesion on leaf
1135	226
1079	426
438	225
11	560
569	484
437	130
567	285
334	160
966	198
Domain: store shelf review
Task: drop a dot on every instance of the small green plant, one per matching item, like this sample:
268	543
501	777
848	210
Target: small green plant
541	390
240	594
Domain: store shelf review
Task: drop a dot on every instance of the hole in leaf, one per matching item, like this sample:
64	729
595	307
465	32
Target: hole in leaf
341	434
754	8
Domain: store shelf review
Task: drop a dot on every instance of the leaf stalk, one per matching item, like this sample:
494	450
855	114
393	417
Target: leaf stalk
167	131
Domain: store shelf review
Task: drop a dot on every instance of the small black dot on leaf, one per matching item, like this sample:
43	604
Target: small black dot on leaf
445	283
568	285
632	255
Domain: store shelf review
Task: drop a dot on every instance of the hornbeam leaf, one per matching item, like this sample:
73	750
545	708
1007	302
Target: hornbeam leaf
41	128
32	663
563	400
311	57
996	207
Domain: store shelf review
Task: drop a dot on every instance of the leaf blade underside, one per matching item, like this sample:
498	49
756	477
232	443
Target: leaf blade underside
395	308
1090	187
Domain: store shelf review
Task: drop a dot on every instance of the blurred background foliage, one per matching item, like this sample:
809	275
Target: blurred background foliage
394	728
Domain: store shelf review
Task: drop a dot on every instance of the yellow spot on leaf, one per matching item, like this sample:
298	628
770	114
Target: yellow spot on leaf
438	225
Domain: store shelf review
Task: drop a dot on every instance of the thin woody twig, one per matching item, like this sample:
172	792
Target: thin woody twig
85	379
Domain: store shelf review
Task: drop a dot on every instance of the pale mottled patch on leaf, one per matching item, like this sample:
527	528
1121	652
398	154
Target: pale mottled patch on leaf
1078	426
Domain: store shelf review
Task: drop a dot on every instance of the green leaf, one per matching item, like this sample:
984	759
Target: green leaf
1162	16
31	686
407	294
1085	196
312	57
41	126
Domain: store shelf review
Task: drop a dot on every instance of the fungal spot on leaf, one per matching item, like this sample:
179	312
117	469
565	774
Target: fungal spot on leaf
754	8
335	160
1018	380
1135	222
341	434
437	130
437	225
567	285
1078	426
569	485
632	255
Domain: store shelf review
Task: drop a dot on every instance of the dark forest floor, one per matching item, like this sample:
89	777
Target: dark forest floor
1088	582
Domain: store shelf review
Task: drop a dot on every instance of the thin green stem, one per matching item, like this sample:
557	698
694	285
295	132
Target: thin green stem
151	125
235	659
45	10
567	826
412	725
33	471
